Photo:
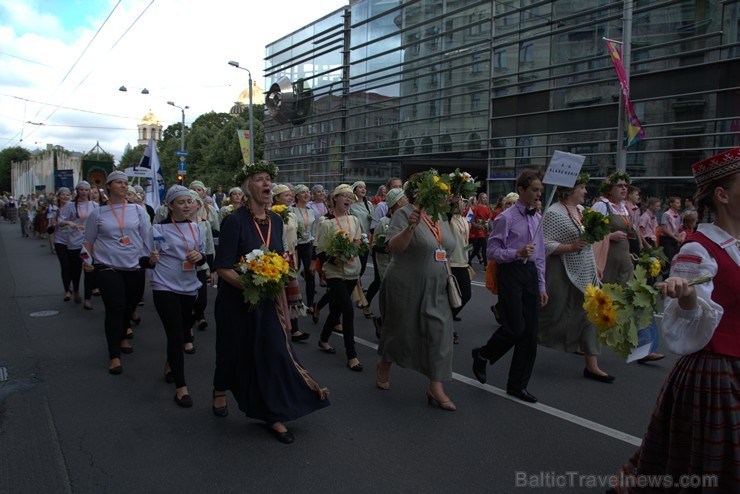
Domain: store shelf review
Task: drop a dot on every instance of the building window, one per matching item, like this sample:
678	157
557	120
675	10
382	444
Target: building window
523	150
475	102
426	145
474	142
409	147
526	53
475	67
499	59
445	143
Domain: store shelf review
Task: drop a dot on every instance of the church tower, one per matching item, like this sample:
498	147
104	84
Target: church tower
149	128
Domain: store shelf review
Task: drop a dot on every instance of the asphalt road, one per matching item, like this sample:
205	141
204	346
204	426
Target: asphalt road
66	425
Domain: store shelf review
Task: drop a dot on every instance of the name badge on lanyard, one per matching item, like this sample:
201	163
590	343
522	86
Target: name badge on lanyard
188	266
440	255
124	240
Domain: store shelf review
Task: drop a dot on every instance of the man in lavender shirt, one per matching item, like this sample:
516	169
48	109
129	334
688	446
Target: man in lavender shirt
521	280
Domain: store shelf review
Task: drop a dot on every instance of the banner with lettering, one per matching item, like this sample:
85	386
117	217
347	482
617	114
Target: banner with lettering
244	143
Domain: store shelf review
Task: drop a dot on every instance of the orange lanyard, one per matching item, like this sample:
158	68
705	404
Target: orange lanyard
269	230
435	229
121	221
348	223
305	218
579	220
192	233
625	218
87	210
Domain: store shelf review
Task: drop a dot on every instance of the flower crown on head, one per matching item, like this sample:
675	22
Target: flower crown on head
583	179
261	166
612	180
463	183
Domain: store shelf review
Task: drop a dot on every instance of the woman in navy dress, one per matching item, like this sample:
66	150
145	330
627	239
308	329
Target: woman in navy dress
254	356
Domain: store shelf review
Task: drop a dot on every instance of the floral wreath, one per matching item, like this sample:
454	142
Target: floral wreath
261	166
463	184
612	179
583	179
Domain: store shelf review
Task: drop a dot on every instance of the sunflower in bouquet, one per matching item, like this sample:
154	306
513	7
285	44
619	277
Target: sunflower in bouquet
619	312
428	191
653	260
262	273
282	211
595	226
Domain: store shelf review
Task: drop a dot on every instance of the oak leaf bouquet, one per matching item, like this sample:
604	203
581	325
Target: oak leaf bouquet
595	226
262	273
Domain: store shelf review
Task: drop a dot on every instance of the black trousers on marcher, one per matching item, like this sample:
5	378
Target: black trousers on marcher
519	305
71	266
340	304
478	250
463	281
120	291
304	252
175	311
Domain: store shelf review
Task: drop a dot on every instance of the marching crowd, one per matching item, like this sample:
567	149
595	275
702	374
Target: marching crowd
539	275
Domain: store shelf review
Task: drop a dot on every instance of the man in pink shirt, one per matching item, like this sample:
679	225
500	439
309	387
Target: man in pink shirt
648	222
669	225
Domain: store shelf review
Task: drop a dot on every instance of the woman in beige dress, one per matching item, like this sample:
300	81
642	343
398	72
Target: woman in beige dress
417	318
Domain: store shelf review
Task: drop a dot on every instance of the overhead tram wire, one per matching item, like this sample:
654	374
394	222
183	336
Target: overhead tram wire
79	58
114	45
89	73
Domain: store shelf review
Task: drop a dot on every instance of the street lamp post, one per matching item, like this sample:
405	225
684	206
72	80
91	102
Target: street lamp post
182	133
251	128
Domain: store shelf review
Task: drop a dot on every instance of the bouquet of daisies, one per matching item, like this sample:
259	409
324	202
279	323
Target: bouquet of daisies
463	184
262	273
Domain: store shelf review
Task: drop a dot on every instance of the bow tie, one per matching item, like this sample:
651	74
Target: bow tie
530	212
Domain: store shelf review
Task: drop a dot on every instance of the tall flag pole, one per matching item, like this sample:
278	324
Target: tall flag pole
157	188
634	131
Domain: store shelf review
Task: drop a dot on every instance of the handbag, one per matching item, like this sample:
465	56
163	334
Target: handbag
471	272
453	289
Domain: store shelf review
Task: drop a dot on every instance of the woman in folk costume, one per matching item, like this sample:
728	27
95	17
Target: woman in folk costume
254	356
694	427
282	198
570	269
612	255
362	209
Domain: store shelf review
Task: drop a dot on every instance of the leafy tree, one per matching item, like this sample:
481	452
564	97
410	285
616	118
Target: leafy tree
132	156
8	155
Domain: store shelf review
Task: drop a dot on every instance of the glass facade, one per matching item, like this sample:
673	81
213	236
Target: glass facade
492	87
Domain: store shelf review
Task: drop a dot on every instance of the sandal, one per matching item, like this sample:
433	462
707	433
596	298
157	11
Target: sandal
315	314
327	349
367	312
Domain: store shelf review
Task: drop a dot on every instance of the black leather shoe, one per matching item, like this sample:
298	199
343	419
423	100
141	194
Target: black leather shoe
220	411
285	437
189	351
300	337
127	349
522	394
596	377
186	401
115	370
479	366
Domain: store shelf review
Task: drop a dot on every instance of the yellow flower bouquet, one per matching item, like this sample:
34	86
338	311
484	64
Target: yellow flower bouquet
619	312
262	273
595	226
282	210
653	260
342	247
429	192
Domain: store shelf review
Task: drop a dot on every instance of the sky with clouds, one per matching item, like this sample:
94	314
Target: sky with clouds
62	62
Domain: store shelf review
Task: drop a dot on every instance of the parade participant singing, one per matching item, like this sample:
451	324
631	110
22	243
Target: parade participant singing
176	247
520	259
114	238
68	262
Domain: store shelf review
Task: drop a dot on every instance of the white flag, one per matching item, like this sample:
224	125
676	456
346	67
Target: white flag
155	192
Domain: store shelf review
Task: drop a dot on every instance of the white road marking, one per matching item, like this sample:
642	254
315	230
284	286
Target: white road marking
563	415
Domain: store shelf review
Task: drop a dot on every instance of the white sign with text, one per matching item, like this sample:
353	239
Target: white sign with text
564	169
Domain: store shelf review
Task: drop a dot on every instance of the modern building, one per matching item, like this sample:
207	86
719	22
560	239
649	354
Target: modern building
392	87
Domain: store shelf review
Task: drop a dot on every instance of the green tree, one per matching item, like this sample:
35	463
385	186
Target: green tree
132	156
7	156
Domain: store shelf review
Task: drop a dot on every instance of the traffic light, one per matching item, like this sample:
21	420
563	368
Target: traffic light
179	179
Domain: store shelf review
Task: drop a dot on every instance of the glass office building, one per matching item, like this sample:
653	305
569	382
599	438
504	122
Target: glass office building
492	87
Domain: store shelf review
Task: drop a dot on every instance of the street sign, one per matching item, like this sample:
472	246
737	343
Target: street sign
182	172
181	153
182	165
